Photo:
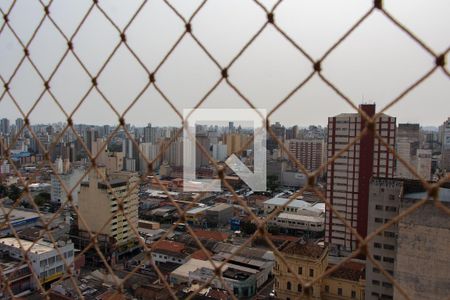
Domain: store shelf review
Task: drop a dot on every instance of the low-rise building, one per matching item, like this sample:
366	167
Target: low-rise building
297	215
18	275
47	264
197	216
219	215
309	262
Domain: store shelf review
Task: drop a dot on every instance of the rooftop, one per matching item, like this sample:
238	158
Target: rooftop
303	218
197	210
307	249
220	207
213	235
444	195
200	254
351	270
281	201
38	248
168	246
18	215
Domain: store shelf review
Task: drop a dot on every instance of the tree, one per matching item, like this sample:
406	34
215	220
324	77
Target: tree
248	227
42	198
273	183
14	192
3	190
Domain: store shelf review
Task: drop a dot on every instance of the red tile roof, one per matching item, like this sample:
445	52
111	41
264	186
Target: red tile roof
200	254
168	245
350	271
307	249
213	235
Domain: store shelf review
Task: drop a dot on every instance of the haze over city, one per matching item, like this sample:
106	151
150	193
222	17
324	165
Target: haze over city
374	65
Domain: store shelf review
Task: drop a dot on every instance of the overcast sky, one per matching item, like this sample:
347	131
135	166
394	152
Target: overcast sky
375	64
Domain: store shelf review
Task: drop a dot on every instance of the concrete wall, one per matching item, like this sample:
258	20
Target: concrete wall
423	260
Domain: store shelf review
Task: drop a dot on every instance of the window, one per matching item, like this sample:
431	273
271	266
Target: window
391	197
375	270
288	285
378	207
327	289
43	263
391	208
387	285
340	291
377	245
299	288
377	257
353	294
388	259
389	234
311	272
378	220
300	270
375	282
389	247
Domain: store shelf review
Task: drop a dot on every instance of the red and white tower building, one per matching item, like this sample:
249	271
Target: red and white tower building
348	176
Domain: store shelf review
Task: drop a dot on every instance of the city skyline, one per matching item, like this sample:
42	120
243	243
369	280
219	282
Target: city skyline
265	73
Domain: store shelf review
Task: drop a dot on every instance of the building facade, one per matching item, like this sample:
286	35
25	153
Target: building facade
99	207
384	203
348	175
310	261
444	138
310	153
419	239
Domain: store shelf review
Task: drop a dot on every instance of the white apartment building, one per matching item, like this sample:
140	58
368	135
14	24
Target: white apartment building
70	180
47	264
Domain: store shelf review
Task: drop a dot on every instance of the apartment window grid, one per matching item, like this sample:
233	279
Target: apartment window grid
189	31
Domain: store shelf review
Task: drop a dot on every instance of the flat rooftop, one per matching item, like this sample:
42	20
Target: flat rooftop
220	207
296	217
39	247
282	201
444	195
197	210
18	215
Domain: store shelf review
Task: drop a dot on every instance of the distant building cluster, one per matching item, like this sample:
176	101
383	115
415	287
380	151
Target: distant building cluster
129	210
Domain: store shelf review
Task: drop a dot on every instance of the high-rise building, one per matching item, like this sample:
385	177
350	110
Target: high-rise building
90	138
444	138
201	159
150	134
348	175
384	203
408	147
4	126
423	256
310	153
236	141
131	154
99	207
19	125
403	249
410	131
